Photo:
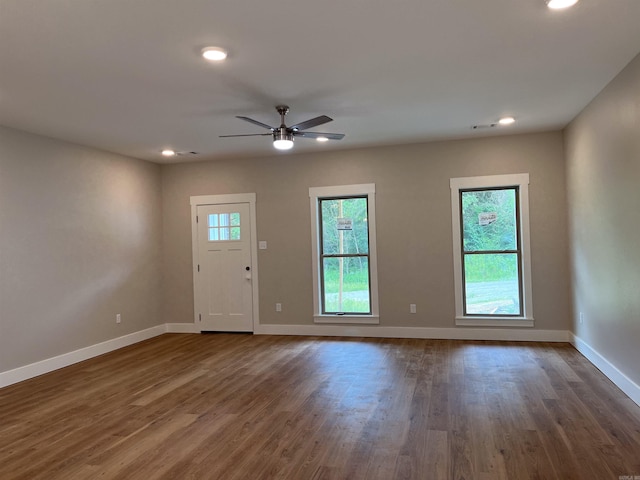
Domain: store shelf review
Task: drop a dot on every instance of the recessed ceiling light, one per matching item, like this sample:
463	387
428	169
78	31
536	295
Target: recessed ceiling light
560	4
168	152
506	120
215	54
322	139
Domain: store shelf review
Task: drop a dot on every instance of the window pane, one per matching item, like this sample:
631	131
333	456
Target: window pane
344	226
346	285
213	234
489	220
213	219
235	219
224	219
235	233
224	232
491	284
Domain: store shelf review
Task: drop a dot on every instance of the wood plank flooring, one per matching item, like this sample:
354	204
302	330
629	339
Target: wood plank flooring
258	407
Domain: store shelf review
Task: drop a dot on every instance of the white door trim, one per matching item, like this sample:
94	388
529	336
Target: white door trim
249	198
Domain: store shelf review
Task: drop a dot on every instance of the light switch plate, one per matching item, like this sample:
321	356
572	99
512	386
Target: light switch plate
262	245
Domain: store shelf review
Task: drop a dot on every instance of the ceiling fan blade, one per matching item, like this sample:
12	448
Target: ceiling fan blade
255	122
313	122
248	135
330	136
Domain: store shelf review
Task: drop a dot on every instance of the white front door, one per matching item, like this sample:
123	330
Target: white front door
223	289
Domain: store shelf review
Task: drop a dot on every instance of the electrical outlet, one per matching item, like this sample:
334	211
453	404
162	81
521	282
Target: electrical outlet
412	308
118	318
581	318
278	307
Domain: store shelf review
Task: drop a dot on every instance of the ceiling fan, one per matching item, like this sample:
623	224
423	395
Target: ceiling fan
283	135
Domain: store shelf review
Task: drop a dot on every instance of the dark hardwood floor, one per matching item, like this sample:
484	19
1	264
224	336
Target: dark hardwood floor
257	407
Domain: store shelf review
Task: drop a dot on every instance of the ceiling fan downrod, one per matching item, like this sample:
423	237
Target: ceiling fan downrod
282	110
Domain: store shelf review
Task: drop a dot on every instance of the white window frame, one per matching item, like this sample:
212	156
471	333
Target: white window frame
316	193
493	181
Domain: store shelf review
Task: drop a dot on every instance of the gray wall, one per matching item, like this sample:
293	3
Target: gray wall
413	223
80	240
603	170
86	234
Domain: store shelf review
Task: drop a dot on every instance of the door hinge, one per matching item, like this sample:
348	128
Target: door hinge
200	316
197	219
198	267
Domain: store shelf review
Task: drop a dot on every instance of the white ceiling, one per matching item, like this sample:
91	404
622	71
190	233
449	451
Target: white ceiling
126	76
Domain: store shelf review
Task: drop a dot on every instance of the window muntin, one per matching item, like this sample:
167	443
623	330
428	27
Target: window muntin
491	254
344	255
508	246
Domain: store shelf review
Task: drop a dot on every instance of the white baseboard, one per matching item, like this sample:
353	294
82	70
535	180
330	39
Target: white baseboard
50	364
500	334
504	334
182	328
624	383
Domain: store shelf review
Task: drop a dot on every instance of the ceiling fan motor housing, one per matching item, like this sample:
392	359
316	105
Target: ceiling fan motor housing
282	133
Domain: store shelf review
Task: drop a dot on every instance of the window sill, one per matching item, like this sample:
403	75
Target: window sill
347	319
494	322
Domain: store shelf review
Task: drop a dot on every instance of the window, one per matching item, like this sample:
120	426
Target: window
344	254
223	226
491	250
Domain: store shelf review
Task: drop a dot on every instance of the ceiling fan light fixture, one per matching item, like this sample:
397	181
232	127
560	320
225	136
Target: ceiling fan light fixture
167	152
215	54
282	140
560	4
322	139
283	144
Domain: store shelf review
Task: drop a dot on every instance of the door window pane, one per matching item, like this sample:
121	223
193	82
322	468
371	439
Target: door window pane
220	229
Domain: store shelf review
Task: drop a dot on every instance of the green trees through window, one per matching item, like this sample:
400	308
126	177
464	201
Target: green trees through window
344	255
491	251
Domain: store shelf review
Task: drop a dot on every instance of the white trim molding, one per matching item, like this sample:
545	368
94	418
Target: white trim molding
520	180
50	364
316	193
497	334
182	328
624	383
493	322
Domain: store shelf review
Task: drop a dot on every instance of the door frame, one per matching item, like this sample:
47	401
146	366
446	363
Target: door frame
249	198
